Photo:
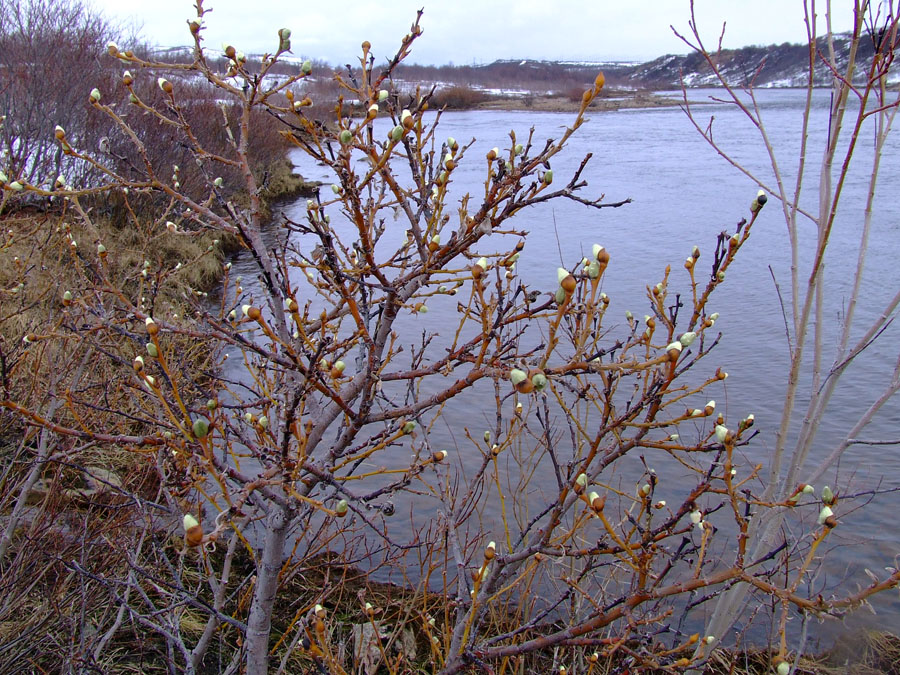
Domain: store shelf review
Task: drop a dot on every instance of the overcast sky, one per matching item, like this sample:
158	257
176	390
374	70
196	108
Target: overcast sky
472	31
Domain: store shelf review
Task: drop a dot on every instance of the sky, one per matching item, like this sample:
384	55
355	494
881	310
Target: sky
472	31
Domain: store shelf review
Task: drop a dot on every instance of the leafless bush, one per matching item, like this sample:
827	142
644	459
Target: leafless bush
458	98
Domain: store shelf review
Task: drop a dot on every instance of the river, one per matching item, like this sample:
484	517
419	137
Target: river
683	195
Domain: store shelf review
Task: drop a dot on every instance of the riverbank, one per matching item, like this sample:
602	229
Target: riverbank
565	104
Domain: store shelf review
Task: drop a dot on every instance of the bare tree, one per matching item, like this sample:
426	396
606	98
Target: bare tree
863	105
564	531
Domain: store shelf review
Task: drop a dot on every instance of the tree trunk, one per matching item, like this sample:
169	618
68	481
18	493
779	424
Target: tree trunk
260	622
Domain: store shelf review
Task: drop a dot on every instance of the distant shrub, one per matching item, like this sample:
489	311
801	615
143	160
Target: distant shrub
458	98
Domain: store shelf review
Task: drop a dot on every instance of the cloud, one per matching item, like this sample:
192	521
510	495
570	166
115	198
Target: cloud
469	31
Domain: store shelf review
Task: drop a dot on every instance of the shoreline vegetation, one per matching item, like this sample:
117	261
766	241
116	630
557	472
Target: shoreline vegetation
111	477
123	258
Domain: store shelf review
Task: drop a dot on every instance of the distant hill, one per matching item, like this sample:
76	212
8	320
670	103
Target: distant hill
784	65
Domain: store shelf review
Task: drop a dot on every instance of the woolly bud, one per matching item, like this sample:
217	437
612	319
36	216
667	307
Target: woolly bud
346	136
95	95
409	427
581	483
783	668
518	149
696	516
263	422
341	508
493	154
193	533
152	328
152	350
721	433
593	270
59	132
808	490
490	551
687	339
825	514
827	496
710	407
539	380
517	376
306	68
201	427
406	119
480	267
164	84
138	364
673	350
596	501
439	456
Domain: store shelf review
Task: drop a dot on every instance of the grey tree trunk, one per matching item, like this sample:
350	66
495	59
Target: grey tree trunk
260	622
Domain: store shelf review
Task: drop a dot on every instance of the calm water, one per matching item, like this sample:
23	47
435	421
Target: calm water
684	194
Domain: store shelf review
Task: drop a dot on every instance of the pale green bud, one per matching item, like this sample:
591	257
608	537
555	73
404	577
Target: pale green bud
201	427
687	339
517	376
